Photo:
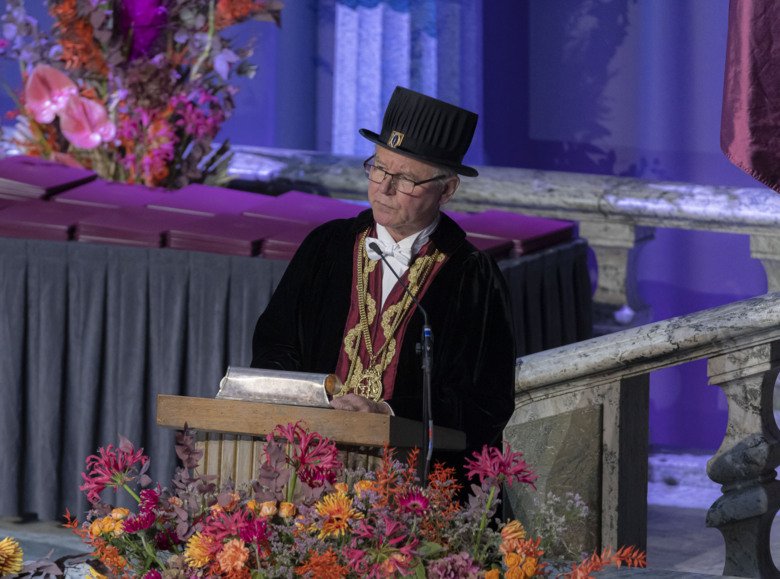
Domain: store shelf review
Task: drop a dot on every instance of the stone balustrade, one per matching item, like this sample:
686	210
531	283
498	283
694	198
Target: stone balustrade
615	214
581	419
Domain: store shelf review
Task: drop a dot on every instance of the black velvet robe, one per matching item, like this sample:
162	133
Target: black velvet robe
473	351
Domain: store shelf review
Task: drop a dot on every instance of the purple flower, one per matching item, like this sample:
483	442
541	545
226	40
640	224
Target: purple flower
459	565
142	21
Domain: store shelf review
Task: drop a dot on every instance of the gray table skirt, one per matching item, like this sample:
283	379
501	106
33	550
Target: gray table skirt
90	334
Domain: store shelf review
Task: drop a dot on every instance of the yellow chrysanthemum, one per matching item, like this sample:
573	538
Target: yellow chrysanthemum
336	510
10	557
198	551
233	556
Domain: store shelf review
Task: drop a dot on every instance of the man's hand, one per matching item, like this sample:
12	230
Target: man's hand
357	403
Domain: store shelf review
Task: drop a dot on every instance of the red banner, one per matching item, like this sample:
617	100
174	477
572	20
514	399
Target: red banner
750	122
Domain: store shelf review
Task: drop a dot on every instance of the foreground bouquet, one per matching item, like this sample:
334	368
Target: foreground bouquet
304	516
134	89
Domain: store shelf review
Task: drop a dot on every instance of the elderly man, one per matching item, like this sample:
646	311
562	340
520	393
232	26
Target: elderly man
338	309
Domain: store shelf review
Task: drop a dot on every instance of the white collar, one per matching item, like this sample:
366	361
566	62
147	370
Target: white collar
411	244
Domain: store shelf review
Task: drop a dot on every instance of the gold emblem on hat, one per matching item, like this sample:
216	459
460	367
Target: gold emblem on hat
395	140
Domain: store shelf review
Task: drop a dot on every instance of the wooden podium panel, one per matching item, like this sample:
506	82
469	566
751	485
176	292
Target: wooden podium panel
231	432
258	419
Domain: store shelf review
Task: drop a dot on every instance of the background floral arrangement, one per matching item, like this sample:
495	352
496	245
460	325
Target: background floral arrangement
134	89
305	516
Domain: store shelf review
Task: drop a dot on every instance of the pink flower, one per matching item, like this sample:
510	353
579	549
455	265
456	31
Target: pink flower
414	502
85	123
496	467
112	468
150	498
314	456
256	531
152	574
222	525
47	91
142	521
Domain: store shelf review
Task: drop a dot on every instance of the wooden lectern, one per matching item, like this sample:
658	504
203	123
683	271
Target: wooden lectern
232	431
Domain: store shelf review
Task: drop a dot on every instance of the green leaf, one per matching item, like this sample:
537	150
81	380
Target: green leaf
430	549
419	571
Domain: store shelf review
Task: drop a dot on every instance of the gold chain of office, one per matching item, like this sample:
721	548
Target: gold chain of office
367	381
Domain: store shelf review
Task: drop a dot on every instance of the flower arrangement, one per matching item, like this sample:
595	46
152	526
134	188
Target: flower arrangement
305	516
136	90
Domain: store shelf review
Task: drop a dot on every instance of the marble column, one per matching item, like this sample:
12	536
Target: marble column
616	303
746	461
767	249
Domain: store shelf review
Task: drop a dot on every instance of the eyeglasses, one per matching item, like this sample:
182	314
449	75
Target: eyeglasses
398	182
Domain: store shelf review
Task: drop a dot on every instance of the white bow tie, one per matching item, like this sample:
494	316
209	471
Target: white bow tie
395	251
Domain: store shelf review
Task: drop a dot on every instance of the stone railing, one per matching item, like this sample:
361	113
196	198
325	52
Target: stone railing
615	214
581	419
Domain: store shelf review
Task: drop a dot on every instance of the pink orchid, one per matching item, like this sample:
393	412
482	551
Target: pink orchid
112	468
85	123
47	91
494	466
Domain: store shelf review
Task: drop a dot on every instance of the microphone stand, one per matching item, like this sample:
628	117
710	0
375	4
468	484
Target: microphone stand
425	347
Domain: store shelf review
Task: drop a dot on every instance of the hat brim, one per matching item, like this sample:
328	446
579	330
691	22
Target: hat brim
458	168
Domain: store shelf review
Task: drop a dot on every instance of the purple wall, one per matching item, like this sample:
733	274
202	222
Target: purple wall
630	88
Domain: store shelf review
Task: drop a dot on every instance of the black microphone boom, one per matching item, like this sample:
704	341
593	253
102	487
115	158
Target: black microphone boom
427	366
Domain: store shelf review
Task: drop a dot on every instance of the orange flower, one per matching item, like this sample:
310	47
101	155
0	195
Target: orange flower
322	566
524	563
493	574
268	509
77	38
525	570
233	556
110	556
363	486
341	487
287	510
119	513
231	11
511	534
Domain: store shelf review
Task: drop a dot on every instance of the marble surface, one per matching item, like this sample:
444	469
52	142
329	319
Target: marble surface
652	346
557	194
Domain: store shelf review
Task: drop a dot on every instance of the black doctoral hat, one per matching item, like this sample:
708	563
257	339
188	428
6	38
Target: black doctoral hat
427	129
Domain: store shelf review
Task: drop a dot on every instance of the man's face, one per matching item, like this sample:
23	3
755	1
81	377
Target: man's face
403	214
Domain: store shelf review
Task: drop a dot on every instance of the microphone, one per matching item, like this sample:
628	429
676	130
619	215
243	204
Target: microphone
427	367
